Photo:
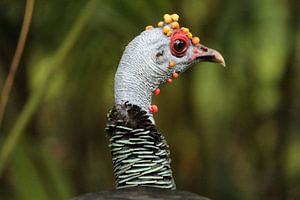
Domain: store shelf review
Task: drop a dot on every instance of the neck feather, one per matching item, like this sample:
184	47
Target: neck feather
140	153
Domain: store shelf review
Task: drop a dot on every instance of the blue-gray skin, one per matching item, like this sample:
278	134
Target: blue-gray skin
144	66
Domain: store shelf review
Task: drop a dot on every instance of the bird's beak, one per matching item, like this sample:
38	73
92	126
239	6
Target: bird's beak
202	54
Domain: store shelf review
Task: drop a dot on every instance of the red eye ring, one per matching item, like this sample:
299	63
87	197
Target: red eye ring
179	43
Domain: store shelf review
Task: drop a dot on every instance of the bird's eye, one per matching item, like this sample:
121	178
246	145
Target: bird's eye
179	44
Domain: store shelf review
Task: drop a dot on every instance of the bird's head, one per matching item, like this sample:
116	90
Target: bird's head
158	55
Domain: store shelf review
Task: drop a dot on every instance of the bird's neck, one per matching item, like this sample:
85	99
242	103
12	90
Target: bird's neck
135	91
134	88
137	75
140	153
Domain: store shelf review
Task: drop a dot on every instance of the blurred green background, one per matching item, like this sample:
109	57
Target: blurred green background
234	132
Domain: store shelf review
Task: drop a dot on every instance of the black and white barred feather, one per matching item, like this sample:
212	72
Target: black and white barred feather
139	152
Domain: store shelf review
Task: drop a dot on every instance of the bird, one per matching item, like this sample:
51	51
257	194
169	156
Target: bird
140	153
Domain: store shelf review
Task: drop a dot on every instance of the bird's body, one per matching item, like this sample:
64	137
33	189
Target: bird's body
140	154
141	193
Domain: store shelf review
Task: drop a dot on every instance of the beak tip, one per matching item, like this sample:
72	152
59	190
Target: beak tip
219	59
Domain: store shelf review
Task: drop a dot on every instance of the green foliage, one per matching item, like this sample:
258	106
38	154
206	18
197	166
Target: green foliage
233	132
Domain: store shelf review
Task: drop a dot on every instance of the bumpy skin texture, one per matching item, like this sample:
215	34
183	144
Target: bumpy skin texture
141	193
144	66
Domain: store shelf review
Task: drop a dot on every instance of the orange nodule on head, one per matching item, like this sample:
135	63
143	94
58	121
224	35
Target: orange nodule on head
148	27
169	33
166	29
167	18
172	63
175	25
160	24
171	22
195	40
175	17
190	35
185	30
